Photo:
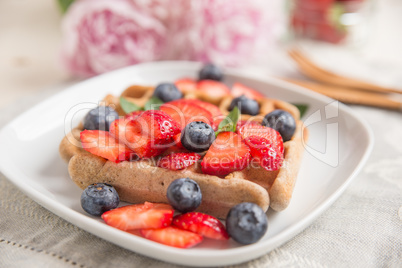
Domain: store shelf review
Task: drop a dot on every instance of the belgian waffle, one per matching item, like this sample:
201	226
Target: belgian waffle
140	181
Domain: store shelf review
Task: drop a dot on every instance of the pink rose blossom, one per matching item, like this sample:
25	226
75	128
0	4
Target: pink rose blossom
103	35
226	32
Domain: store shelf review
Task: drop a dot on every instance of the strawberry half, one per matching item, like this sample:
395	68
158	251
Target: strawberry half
148	135
213	88
202	224
185	111
273	136
186	84
177	161
102	144
128	133
240	89
133	115
228	153
172	236
216	113
268	156
139	216
241	123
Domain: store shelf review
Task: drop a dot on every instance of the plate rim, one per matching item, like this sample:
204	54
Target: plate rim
214	256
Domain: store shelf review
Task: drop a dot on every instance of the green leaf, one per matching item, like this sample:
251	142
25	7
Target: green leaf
302	108
230	122
153	104
65	4
128	106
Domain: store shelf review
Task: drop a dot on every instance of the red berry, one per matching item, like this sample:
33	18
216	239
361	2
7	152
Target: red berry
245	122
186	84
185	111
102	144
228	153
148	135
172	236
213	88
268	133
177	161
268	156
216	113
202	224
139	216
240	89
133	115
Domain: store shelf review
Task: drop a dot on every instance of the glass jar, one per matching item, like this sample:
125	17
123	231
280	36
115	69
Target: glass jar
333	21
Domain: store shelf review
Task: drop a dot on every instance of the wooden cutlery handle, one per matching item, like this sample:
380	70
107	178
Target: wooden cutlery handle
351	96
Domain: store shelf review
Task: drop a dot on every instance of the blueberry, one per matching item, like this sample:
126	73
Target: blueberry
281	121
197	136
211	72
98	198
184	195
246	223
100	118
167	92
245	105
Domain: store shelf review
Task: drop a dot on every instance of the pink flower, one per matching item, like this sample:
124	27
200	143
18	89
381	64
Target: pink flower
103	35
226	32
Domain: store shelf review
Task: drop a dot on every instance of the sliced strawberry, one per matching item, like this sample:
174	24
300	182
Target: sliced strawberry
186	84
157	125
228	153
245	122
268	156
177	161
213	88
147	135
133	115
185	111
139	216
240	89
172	236
128	133
202	224
273	136
177	141
102	144
216	113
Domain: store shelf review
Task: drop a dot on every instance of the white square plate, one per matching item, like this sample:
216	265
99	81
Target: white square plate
338	146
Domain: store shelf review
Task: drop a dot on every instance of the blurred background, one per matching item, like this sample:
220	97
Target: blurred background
46	46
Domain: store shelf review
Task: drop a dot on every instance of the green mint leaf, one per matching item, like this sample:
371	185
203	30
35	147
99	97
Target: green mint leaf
302	108
230	122
65	4
128	106
153	104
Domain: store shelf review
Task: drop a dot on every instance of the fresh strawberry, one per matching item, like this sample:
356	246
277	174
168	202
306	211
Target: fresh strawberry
176	161
157	125
147	135
241	123
102	144
185	111
202	224
273	136
213	88
268	156
217	116
240	89
177	141
133	115
139	216
186	84
128	133
172	236
228	153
